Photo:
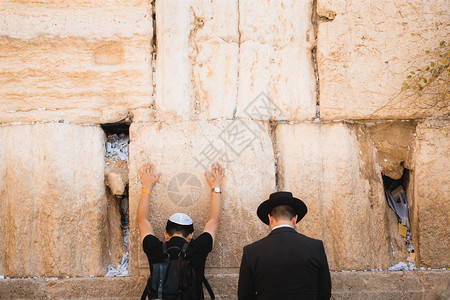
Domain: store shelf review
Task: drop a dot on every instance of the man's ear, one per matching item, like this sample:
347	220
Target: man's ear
166	236
270	219
294	220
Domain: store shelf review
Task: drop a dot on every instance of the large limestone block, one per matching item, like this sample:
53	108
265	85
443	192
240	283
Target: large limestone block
275	58
81	61
80	18
74	79
196	66
333	169
369	48
430	216
416	285
53	201
180	151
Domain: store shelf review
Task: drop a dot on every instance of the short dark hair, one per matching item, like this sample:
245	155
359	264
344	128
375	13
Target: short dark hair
283	212
184	230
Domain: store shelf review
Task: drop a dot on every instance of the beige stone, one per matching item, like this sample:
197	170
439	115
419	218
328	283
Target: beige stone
83	18
415	285
59	79
109	53
180	151
366	52
333	169
53	201
430	217
275	58
196	67
115	183
395	145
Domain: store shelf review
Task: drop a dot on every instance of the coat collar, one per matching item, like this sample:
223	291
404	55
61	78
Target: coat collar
282	229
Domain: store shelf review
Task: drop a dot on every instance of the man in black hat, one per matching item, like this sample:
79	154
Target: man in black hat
285	264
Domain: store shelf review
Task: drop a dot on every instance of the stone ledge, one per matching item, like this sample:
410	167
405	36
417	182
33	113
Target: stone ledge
346	285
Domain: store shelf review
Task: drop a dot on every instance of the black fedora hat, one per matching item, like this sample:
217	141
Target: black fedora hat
281	198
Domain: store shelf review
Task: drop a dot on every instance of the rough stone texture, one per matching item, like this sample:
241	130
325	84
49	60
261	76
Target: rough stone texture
276	38
391	285
250	178
115	240
366	52
332	167
202	42
395	145
415	285
87	18
53	201
430	212
115	183
196	67
116	174
58	65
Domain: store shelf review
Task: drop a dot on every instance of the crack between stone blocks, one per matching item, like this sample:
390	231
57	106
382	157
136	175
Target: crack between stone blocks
239	59
197	24
153	62
314	20
273	138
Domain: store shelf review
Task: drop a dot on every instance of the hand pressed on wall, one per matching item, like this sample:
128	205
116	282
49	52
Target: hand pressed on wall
216	177
146	176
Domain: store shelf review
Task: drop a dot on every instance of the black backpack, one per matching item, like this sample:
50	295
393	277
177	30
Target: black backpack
174	278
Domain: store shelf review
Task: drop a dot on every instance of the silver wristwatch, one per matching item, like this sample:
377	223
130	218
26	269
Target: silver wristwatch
216	190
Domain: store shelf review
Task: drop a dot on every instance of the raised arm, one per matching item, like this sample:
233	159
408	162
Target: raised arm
148	180
214	180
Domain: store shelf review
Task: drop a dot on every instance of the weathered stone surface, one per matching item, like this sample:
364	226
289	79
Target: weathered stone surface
179	151
333	169
430	211
74	79
113	230
196	67
96	288
395	145
275	58
413	285
52	195
391	285
86	18
366	52
115	183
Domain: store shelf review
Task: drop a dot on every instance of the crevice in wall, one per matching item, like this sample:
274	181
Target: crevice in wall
276	154
239	59
154	56
397	195
116	178
196	25
316	73
314	21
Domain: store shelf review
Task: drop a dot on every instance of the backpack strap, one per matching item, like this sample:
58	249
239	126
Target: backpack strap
184	249
161	282
208	288
145	293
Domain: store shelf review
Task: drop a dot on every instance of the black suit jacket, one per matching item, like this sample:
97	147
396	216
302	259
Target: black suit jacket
284	265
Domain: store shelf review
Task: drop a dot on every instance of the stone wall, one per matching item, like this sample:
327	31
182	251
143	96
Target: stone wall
288	95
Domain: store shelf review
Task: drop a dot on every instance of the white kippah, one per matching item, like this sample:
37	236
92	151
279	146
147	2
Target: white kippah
181	219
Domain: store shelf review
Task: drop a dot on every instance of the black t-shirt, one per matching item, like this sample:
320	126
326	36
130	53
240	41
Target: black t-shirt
196	252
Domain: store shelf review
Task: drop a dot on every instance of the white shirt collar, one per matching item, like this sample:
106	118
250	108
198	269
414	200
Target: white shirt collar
282	225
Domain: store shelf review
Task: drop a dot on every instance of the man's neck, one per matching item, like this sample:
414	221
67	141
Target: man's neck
281	223
177	235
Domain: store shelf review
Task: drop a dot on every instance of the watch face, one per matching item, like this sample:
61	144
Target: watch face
217	189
